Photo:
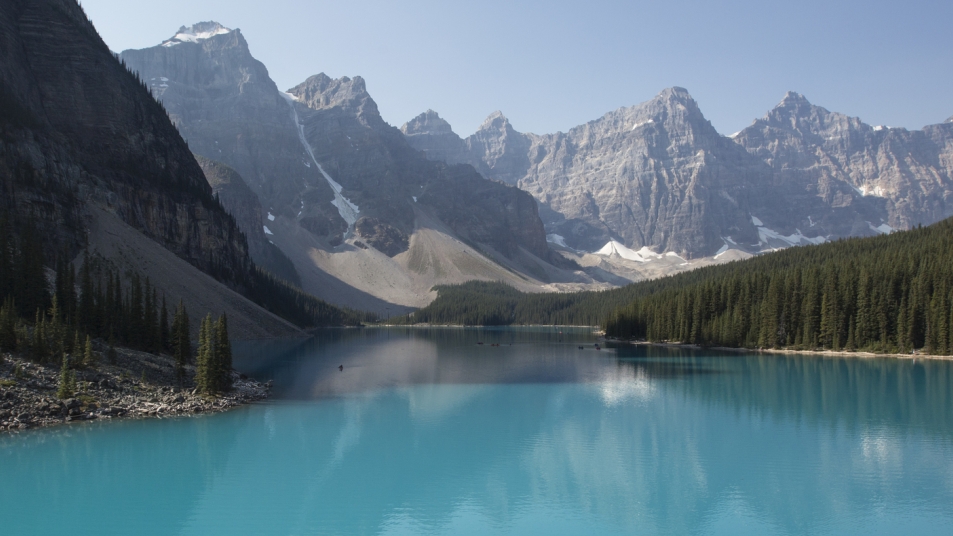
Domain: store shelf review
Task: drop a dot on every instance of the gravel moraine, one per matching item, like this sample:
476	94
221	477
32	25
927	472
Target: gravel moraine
107	391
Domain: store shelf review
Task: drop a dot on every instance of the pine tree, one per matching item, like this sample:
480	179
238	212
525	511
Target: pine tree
67	383
39	347
163	336
88	357
8	324
181	343
205	358
223	356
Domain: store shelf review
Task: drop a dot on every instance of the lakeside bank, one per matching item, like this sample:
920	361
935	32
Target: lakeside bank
136	385
785	351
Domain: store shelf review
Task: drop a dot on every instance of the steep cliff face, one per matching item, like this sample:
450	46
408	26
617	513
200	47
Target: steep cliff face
321	155
228	108
78	129
658	175
894	176
243	205
655	175
383	176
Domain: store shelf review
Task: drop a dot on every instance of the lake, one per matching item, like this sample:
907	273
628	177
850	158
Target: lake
425	431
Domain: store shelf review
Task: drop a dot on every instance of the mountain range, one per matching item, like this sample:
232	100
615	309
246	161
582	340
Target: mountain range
191	146
659	176
366	220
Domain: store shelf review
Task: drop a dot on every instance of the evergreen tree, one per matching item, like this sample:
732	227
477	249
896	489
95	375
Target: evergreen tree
205	358
181	343
163	336
67	383
88	357
223	356
8	324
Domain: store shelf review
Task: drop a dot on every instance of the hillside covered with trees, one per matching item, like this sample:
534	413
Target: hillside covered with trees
891	293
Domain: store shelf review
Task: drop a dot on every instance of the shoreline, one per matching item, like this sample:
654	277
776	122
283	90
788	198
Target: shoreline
138	385
785	351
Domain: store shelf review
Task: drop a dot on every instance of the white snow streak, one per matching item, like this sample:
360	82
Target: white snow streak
556	239
866	190
189	37
348	210
271	217
267	230
643	123
643	255
882	228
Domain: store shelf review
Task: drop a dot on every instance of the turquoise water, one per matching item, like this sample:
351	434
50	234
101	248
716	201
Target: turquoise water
426	432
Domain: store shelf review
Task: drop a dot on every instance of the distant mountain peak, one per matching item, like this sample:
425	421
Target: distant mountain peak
428	122
496	121
199	31
320	92
793	97
677	92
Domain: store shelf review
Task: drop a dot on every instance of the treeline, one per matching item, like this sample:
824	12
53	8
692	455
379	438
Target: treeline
96	303
298	307
884	294
489	303
891	293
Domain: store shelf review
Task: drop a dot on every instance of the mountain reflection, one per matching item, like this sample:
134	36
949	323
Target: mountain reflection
427	432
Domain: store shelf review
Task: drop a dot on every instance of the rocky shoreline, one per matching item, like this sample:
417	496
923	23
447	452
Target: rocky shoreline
135	385
788	351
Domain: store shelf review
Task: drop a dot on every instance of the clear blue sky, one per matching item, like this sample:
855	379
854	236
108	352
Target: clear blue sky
552	65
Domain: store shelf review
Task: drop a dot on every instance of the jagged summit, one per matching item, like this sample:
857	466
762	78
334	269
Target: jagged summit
495	121
676	92
428	122
199	31
793	98
320	92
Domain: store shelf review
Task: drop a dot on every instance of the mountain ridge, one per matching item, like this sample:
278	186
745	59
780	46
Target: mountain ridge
592	190
340	182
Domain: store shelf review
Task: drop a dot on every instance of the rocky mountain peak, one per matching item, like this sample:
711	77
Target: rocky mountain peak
950	120
792	99
321	92
496	121
199	31
428	122
677	94
673	106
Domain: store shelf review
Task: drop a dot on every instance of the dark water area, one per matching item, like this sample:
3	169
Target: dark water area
425	431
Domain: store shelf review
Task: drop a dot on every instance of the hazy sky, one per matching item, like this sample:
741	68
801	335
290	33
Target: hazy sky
552	65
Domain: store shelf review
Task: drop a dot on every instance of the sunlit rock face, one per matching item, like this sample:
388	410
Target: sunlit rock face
898	178
320	155
658	175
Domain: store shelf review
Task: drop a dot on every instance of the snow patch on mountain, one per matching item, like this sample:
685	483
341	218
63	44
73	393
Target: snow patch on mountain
866	190
556	239
616	248
198	32
348	210
643	123
882	228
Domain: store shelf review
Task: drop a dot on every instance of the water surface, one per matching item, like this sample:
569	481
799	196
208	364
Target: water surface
424	431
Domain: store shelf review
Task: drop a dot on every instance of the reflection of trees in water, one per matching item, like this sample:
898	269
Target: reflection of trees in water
656	439
835	392
133	477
